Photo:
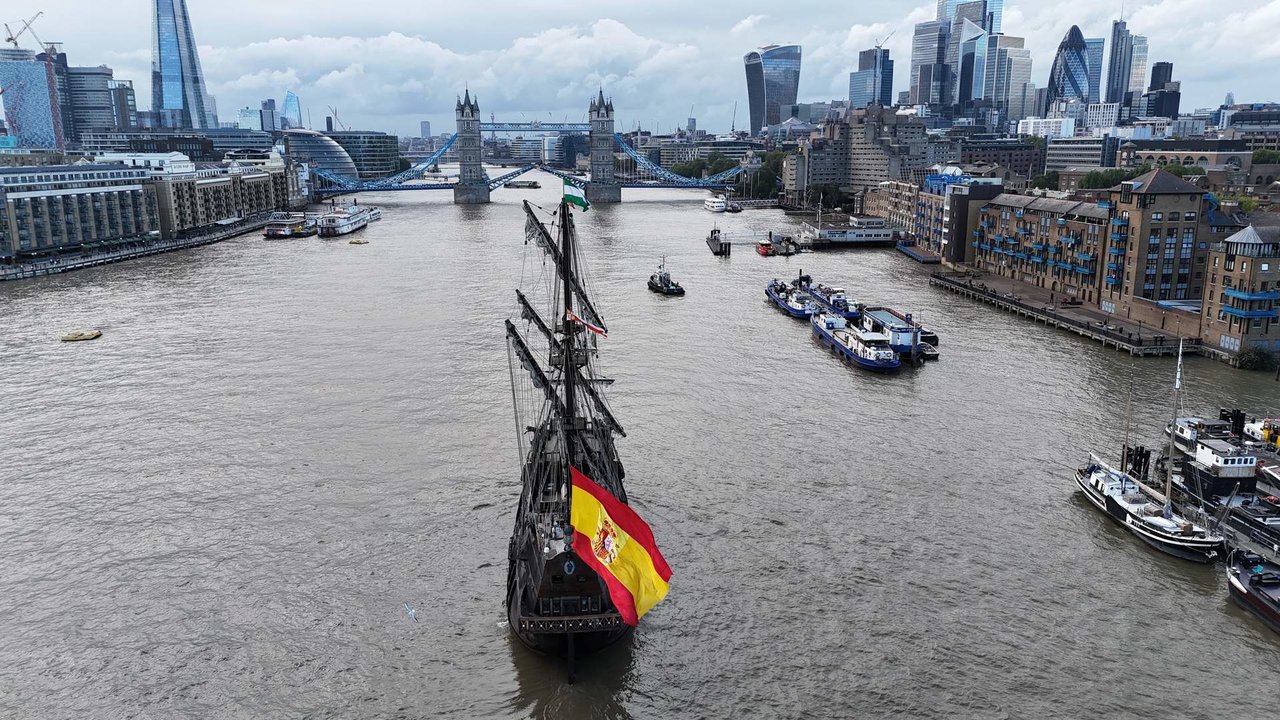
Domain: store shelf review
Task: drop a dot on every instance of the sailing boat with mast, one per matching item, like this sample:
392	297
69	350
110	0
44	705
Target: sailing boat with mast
582	566
1124	495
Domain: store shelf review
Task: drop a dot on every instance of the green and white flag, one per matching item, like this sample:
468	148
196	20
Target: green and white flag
573	194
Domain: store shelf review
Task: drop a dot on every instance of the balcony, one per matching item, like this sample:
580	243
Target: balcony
1119	221
1037	246
1250	314
1018	213
1085	256
1114	266
1115	251
1105	204
1119	236
985	224
1062	222
1242	295
1023	231
1113	280
1082	270
1038	260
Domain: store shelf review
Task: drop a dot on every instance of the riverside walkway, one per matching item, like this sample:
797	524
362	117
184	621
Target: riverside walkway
1038	306
134	249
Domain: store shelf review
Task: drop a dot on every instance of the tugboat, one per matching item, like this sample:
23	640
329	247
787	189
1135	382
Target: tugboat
1144	511
791	298
661	282
563	596
733	207
867	350
1254	584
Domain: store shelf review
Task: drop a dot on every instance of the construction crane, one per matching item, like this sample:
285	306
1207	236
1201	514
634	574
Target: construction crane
11	37
881	43
337	119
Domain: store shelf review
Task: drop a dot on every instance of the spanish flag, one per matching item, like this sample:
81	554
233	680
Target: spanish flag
611	538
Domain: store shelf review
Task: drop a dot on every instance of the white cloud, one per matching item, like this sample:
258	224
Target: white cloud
407	61
748	23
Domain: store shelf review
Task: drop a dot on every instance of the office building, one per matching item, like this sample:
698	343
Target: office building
1008	77
424	129
31	103
320	152
1242	294
291	113
1062	153
872	83
1069	77
930	78
1093	56
1164	96
268	116
1204	153
773	79
1102	115
1052	127
248	118
377	154
1127	66
178	95
1019	157
51	208
966	32
89	90
1161	75
56	60
124	105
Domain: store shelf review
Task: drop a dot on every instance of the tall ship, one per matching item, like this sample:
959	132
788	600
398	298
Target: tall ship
1149	514
346	220
284	225
573	528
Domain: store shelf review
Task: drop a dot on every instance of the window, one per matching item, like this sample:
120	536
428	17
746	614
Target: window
1265	267
1189	216
1157	217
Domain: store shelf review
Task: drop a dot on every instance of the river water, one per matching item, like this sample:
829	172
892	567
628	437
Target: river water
220	508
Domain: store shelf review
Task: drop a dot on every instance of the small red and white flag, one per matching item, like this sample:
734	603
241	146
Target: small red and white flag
571	317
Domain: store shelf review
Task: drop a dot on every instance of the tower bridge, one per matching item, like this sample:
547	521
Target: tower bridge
473	185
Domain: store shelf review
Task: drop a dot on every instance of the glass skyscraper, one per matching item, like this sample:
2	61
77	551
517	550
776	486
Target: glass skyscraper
178	95
773	80
1069	78
1093	54
31	100
873	81
291	115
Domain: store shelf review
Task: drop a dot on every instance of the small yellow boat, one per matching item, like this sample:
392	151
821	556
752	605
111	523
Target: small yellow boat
82	335
358	241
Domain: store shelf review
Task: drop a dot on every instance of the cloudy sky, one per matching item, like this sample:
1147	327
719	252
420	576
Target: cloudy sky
385	64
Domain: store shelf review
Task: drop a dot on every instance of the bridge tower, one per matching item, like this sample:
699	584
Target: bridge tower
473	186
602	188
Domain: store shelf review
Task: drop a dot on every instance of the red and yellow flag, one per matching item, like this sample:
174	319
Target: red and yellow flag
610	537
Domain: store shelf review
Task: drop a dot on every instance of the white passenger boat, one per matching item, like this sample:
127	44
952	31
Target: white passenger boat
344	221
716	204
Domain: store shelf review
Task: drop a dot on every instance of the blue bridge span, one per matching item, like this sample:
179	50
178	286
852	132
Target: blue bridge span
473	185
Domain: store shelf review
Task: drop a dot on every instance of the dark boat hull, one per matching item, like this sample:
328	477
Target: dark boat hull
784	307
1186	548
663	290
1262	602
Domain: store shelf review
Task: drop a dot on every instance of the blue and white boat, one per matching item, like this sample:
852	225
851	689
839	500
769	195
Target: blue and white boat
834	300
903	332
865	349
790	298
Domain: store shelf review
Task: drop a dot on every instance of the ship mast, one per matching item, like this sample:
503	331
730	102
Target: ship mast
569	368
1173	428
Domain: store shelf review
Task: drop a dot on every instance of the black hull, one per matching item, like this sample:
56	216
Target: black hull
1269	616
557	643
1186	549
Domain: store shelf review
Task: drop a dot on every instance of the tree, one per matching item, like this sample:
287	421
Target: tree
1184	170
1256	358
1110	177
1266	157
1047	181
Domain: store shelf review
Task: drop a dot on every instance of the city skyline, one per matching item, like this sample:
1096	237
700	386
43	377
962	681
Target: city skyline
389	80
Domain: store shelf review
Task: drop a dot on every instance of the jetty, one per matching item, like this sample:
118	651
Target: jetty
119	251
1068	315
